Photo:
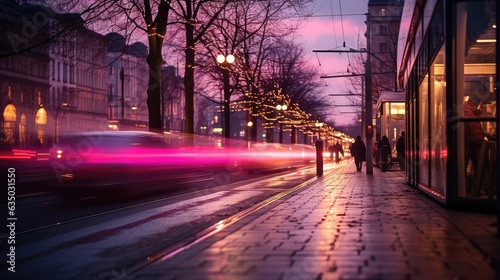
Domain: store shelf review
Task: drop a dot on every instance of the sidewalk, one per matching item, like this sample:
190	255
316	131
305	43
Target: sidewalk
346	225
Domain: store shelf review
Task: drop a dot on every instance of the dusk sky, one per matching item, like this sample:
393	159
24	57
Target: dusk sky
326	32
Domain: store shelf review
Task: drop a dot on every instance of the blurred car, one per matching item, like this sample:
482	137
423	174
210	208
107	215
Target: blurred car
130	162
273	156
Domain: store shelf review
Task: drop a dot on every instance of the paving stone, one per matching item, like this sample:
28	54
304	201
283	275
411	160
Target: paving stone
346	225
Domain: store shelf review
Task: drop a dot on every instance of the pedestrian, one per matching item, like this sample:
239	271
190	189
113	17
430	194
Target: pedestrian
331	149
358	151
400	149
384	142
337	149
384	153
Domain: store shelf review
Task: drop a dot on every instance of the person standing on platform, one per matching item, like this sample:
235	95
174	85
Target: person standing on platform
358	151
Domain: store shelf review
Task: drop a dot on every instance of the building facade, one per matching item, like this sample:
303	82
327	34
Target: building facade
24	75
384	18
447	65
77	99
52	76
127	83
172	99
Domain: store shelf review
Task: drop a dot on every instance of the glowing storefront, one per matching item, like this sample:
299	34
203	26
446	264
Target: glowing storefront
447	66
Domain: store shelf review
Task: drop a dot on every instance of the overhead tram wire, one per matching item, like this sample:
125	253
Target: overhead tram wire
342	21
334	30
333	24
343	34
336	15
332	16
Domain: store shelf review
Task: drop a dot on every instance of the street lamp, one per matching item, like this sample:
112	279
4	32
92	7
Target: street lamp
221	59
249	128
225	62
281	108
134	111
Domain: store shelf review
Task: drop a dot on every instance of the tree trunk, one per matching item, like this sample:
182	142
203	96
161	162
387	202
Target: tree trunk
253	133
156	33
154	91
189	80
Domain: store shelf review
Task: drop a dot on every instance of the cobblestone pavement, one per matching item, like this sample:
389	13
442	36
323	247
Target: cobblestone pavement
346	225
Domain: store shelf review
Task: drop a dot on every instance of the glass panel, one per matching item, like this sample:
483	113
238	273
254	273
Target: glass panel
397	124
423	92
475	66
439	150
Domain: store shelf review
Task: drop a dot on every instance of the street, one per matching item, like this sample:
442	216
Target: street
55	231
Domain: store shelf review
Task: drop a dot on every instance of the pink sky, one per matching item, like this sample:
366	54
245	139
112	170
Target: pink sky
326	32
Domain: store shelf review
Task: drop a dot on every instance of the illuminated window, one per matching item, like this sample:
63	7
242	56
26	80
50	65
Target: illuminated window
9	117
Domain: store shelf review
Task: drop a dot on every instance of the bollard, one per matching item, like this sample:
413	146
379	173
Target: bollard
319	157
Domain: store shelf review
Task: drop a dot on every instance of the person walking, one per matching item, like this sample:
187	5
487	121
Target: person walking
358	151
338	150
331	149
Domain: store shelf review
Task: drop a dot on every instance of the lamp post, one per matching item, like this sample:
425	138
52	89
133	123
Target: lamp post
319	150
134	111
368	101
122	78
281	108
249	128
225	62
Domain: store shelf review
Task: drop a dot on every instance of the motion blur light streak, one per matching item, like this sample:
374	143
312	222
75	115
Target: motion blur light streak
116	158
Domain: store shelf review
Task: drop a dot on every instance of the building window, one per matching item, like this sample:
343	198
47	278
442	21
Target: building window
53	68
381	12
72	74
474	86
383	30
423	96
9	117
384	68
65	72
382	47
438	156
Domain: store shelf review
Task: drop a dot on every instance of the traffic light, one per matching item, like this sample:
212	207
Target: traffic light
369	131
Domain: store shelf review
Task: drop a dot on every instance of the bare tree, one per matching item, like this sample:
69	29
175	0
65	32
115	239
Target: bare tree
152	17
383	61
248	30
